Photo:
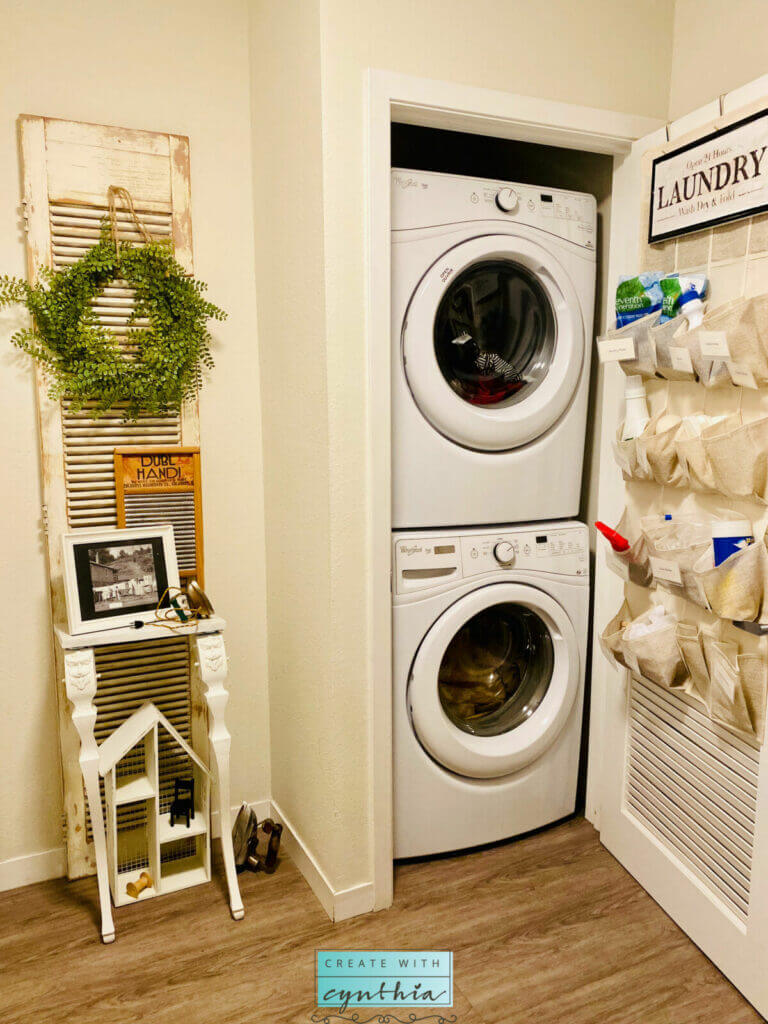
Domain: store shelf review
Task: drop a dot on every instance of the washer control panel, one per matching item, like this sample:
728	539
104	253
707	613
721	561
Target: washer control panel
552	550
422	562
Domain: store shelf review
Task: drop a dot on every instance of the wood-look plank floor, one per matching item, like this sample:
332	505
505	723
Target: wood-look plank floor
548	929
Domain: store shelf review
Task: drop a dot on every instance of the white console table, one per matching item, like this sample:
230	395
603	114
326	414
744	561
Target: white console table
81	681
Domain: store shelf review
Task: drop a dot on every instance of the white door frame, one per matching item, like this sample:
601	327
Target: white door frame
395	97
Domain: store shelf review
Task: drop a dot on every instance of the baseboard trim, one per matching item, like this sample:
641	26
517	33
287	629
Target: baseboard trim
41	867
261	808
33	867
339	904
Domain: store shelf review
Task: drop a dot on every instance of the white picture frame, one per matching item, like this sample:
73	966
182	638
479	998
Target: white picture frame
114	577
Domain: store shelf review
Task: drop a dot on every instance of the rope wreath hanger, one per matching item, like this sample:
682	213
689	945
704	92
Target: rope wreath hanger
165	343
115	192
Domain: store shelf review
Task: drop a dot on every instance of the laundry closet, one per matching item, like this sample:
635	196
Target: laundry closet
674	713
497	269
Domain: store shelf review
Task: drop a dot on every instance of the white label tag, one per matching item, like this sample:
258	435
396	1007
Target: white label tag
714	345
741	375
724	675
664	569
613	350
680	359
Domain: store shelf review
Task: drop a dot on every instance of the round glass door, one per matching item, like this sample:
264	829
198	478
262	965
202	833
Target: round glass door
495	335
493	342
496	670
494	680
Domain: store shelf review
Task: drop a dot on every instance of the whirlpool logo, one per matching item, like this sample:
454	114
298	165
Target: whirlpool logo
391	980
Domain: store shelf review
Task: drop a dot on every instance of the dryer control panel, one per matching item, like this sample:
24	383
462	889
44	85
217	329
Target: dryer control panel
425	561
426	199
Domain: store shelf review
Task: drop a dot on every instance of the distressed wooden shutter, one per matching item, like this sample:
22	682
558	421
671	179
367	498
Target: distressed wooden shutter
68	168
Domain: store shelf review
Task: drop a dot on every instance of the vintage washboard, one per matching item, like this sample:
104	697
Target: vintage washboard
67	170
155	485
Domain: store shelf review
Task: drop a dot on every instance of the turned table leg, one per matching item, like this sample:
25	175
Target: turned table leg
212	662
80	682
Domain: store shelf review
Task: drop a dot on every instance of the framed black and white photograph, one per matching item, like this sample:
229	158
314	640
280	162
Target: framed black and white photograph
114	577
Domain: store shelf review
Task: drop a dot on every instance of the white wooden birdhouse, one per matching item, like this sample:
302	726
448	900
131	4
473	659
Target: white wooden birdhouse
149	851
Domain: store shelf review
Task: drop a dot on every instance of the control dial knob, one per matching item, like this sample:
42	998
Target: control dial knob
504	553
507	200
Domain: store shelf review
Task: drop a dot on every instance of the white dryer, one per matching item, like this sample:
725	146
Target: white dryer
493	289
490	640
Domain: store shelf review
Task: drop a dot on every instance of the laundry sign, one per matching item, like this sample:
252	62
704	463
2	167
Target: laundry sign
718	178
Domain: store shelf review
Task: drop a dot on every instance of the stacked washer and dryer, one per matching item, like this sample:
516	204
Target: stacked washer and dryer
493	290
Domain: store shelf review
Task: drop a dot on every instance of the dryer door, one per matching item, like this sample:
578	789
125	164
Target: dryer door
493	342
494	680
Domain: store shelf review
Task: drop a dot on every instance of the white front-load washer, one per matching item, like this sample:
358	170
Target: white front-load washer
490	640
493	288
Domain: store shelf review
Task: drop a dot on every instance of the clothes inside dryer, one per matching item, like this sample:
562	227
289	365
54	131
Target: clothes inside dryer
496	670
494	333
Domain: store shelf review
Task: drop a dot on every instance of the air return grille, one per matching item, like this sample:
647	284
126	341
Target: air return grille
694	786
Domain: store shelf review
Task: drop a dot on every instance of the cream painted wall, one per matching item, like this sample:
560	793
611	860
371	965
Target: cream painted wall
717	47
180	66
309	93
316	714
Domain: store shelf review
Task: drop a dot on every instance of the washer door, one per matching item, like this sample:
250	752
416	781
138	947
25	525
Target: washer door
494	680
493	343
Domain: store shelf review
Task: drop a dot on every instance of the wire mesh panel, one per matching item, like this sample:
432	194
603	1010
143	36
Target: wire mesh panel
132	837
129	676
179	849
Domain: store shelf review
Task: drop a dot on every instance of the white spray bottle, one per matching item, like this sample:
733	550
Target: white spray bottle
636	408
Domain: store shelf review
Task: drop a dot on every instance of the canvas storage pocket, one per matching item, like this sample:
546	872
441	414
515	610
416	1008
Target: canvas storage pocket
735	588
726	704
656	451
738	331
610	638
625	453
676	549
747	341
701	341
739	460
644	360
753	671
692	651
651	650
730	339
673	358
631	565
691	451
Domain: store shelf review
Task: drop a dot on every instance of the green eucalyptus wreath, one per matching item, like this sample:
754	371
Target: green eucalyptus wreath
84	362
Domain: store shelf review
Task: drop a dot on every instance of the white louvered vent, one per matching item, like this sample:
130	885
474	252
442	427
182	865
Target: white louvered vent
128	676
89	440
693	784
158	509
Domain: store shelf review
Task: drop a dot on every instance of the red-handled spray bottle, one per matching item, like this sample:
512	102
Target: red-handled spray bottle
615	539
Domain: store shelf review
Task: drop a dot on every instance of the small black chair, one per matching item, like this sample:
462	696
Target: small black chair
183	805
